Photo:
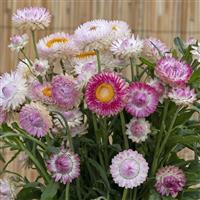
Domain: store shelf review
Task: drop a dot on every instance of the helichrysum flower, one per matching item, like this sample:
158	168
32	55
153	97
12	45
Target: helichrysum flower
32	18
79	130
170	180
65	91
182	95
64	166
106	93
129	169
196	51
35	119
6	190
93	34
40	67
3	115
13	91
18	42
23	68
142	99
127	47
138	130
173	72
57	45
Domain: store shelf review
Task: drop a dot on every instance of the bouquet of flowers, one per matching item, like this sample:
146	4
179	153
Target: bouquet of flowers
88	130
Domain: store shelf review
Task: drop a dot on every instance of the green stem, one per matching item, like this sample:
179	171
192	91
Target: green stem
62	66
124	194
132	69
134	193
67	192
98	61
34	44
105	136
126	145
30	63
78	188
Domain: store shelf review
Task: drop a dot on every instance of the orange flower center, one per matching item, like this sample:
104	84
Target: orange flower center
105	92
93	28
86	54
47	91
51	42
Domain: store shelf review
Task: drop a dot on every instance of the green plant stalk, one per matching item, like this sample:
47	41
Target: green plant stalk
22	51
126	145
34	44
132	69
105	136
135	194
67	197
98	61
125	194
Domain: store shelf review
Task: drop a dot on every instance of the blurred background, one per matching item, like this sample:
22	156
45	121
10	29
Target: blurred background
163	19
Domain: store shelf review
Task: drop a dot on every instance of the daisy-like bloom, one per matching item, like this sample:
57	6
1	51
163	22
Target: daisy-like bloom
64	166
35	119
57	45
138	130
40	66
127	47
93	34
153	48
3	115
190	41
65	91
142	99
170	180
41	92
129	169
18	42
173	72
182	96
32	18
6	190
196	51
79	130
106	94
23	68
13	90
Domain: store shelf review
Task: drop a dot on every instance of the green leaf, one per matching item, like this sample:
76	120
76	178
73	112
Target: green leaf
184	117
29	194
148	63
179	44
2	158
191	194
154	195
50	191
195	76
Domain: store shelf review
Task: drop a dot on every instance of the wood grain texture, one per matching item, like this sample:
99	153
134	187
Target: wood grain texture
163	19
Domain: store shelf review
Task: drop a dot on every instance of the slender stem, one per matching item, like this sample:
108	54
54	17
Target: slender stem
105	138
134	193
124	194
78	188
98	61
132	69
34	43
62	66
67	192
126	145
22	51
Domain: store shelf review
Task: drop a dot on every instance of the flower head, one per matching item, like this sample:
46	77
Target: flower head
57	45
35	119
196	51
18	42
142	99
6	190
40	67
173	72
138	130
23	68
13	91
129	169
65	91
32	18
3	115
64	166
127	47
170	180
106	93
182	96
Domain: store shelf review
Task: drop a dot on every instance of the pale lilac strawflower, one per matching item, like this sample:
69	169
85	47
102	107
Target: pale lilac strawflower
18	42
79	130
13	91
142	99
182	96
127	47
170	180
32	18
138	130
196	51
23	68
65	91
173	71
40	67
129	169
64	166
106	94
6	190
35	119
3	115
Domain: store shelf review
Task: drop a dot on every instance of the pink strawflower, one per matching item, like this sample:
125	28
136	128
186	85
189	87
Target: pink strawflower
64	166
190	41
142	99
7	191
173	72
65	91
3	115
32	18
18	42
170	180
35	119
138	130
129	169
106	93
182	96
40	67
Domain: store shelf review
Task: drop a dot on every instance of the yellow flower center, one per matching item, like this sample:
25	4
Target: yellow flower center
47	91
114	28
93	28
105	92
86	54
51	42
